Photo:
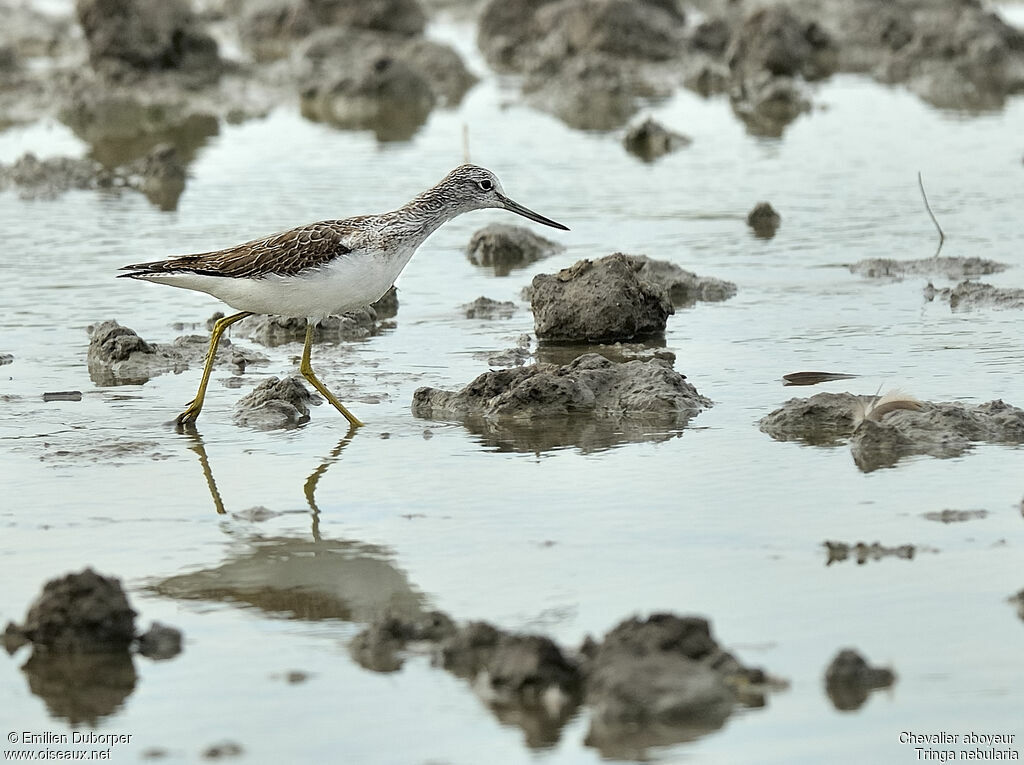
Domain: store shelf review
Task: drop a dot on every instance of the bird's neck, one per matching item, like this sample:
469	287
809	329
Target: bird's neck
421	217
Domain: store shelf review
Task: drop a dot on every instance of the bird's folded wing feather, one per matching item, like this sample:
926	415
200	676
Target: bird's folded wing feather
285	254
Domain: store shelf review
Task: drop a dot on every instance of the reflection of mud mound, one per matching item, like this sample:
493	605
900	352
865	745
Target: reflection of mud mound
81	688
587	435
310	580
592	403
121	127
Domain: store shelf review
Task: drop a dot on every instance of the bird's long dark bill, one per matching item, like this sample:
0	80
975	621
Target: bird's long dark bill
526	212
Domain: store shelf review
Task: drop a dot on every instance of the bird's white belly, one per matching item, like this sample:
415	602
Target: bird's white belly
346	283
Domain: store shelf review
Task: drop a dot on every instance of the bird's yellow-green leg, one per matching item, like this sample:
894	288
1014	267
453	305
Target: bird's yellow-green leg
191	413
307	372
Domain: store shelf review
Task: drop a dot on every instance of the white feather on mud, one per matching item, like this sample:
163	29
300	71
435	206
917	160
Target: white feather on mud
879	406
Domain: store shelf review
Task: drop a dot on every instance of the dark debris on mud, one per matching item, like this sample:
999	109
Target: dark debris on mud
861	552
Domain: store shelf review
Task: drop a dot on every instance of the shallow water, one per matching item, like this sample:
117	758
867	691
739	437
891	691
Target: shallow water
717	519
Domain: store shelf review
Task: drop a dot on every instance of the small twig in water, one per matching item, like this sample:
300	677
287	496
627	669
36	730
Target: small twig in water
928	207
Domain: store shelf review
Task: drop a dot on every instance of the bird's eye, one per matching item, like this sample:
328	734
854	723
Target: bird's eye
485	184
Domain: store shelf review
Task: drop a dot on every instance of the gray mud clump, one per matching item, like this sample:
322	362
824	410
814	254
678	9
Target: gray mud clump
946	429
586	61
274	404
764	220
602	300
849	679
951	267
957	55
503	247
684	288
160	642
662	680
650	140
590	385
968	295
490	309
591	403
160	175
388	83
380	645
80	613
146	35
118	356
649	682
768	57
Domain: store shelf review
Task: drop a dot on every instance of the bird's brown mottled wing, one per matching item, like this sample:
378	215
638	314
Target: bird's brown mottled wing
284	254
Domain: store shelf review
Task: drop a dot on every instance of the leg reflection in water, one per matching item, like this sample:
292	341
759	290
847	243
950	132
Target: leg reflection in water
308	488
